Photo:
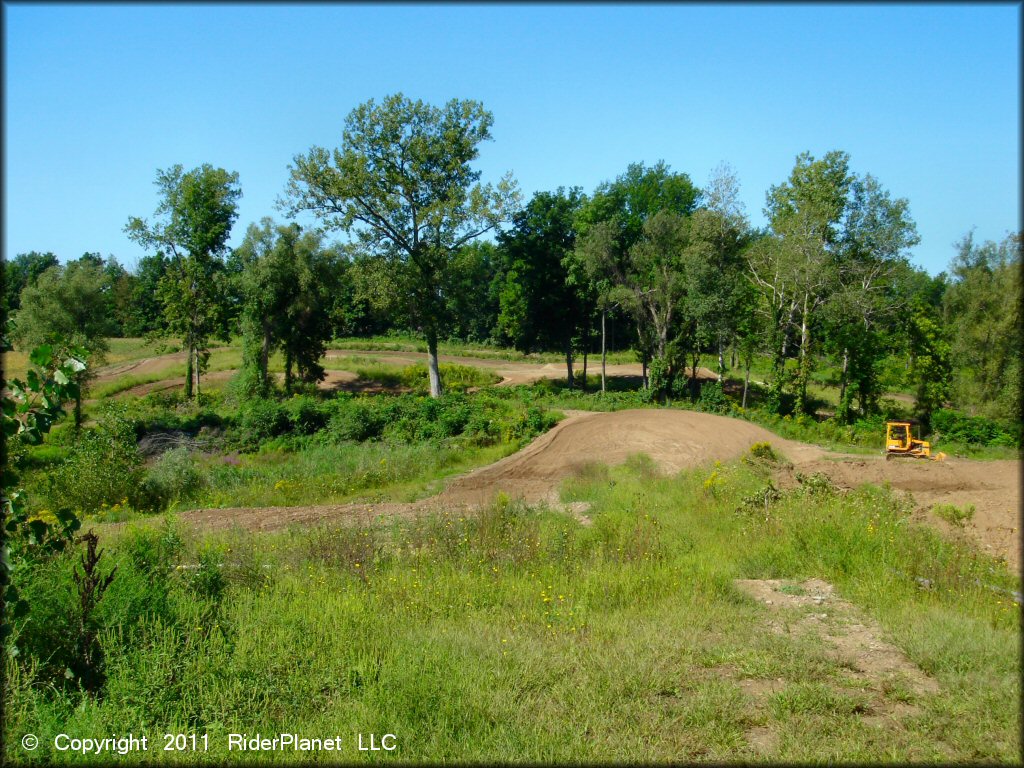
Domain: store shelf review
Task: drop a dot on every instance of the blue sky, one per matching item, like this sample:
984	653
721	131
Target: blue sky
97	97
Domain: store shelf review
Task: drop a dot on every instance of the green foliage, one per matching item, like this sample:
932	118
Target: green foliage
173	477
953	514
26	415
983	310
22	271
196	212
102	469
286	279
712	398
393	153
956	427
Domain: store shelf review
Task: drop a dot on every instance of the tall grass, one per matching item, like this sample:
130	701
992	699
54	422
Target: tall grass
519	635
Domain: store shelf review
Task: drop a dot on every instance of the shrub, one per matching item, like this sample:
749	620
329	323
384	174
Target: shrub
260	420
954	426
306	414
953	514
357	420
103	467
174	477
712	398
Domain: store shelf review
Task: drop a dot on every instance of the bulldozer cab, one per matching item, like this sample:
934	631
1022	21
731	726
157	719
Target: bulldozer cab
897	436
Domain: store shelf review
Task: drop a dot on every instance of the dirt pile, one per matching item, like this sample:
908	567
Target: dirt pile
674	439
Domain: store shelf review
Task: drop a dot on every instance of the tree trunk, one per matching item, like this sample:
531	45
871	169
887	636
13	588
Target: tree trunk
288	371
746	385
732	357
604	352
568	363
842	381
721	359
196	368
584	385
433	370
805	361
188	372
644	370
694	383
264	363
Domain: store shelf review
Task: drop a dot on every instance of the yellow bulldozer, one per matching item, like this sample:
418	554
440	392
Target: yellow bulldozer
900	441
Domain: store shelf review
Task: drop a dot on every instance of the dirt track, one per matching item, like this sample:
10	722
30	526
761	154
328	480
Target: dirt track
676	440
511	372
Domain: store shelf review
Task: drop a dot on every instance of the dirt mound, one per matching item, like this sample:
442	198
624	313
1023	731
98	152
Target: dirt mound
673	439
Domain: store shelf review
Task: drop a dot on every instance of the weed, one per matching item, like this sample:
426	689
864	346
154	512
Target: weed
953	514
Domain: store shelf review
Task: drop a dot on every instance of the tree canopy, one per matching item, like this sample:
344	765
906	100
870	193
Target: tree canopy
403	182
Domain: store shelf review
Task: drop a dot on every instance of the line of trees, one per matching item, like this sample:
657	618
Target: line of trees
647	260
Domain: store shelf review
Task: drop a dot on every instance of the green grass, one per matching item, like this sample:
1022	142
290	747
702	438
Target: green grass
519	635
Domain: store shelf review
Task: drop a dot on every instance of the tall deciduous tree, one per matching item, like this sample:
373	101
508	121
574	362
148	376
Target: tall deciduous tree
194	218
613	222
21	271
806	213
539	308
402	180
982	312
67	309
286	287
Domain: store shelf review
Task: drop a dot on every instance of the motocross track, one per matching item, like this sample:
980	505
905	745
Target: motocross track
511	372
677	440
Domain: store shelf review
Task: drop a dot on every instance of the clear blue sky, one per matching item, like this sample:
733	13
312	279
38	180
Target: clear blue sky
98	97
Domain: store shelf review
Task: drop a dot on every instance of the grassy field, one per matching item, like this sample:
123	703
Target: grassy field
523	635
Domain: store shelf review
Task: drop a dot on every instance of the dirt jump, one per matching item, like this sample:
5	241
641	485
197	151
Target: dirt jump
677	440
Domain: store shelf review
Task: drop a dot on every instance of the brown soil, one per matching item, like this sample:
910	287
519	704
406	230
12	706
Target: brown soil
674	439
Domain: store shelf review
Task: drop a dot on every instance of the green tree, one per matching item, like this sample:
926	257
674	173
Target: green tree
67	308
806	215
147	311
194	218
931	370
287	280
539	308
21	271
877	235
612	223
982	311
402	180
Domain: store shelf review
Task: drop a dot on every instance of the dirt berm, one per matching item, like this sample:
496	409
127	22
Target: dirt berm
674	439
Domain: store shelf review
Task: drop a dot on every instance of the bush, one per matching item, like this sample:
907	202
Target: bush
356	420
103	467
954	426
306	414
174	477
712	398
260	420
